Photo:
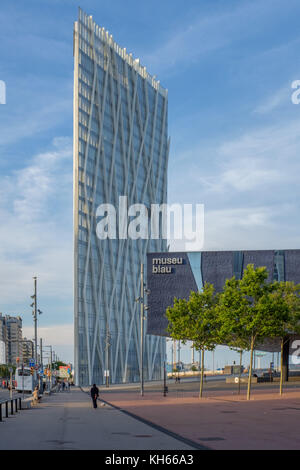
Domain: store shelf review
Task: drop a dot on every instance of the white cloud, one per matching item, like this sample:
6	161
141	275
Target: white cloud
17	124
40	180
249	228
36	232
55	335
209	33
278	98
250	188
258	160
60	337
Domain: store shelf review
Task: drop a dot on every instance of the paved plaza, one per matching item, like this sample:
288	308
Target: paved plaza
67	421
125	420
222	419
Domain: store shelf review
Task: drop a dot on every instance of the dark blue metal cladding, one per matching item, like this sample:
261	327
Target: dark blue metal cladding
213	267
238	261
217	267
164	287
292	265
260	258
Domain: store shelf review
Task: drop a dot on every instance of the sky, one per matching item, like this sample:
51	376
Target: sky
235	133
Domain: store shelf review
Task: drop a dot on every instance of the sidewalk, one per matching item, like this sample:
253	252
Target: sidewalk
220	420
67	421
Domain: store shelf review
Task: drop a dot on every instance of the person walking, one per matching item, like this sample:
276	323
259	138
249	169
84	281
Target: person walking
94	395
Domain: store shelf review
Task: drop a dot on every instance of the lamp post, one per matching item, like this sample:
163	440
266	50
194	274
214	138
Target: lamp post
193	353
107	345
174	355
259	355
142	329
10	381
141	300
34	313
50	376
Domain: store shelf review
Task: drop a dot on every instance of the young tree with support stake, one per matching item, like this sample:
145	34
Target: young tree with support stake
230	308
286	298
246	311
195	320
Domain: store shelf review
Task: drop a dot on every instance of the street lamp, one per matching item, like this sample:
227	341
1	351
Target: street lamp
50	376
107	345
34	313
144	308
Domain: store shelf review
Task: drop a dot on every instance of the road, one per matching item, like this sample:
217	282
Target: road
5	394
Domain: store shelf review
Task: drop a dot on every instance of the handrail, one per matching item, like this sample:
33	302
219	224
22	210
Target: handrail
14	407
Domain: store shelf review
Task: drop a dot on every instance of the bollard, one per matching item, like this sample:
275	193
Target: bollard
6	409
20	403
0	411
16	404
11	407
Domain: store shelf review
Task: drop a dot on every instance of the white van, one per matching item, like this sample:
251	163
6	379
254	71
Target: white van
24	380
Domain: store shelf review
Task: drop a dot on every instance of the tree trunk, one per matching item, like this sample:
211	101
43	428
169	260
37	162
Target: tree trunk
202	373
250	369
281	367
240	371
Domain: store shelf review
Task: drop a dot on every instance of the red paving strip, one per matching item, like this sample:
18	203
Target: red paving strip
219	420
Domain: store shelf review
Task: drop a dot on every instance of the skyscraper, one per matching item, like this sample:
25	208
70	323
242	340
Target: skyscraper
14	339
121	148
3	340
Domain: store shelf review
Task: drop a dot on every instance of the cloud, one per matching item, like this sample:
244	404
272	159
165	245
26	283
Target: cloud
36	232
254	227
26	120
35	184
60	337
248	185
278	98
55	335
210	33
242	175
261	159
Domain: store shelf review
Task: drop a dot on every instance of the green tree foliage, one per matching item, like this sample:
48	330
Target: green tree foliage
57	364
242	316
195	320
249	311
286	298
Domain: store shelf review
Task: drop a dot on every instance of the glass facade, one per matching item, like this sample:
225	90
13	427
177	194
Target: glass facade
121	148
279	271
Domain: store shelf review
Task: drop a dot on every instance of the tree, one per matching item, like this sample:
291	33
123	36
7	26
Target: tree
195	320
286	299
57	364
4	371
246	312
230	308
